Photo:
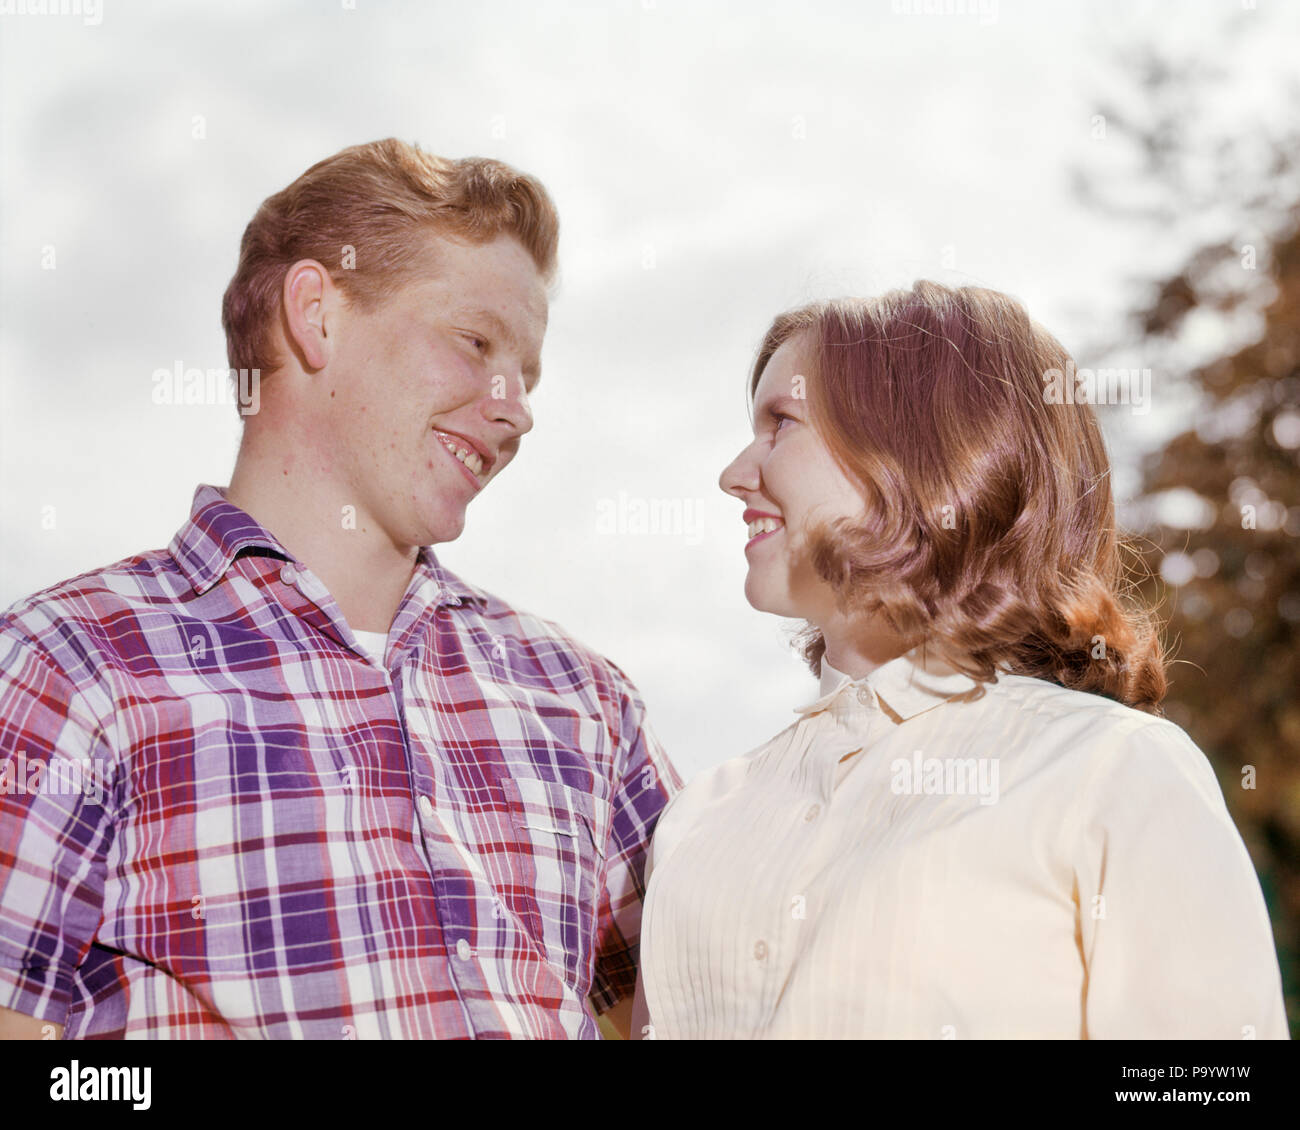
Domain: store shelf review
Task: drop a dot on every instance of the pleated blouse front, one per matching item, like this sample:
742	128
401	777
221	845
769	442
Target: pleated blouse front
917	858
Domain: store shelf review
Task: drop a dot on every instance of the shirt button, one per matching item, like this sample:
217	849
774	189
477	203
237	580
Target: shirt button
865	696
426	807
289	575
812	813
760	950
462	950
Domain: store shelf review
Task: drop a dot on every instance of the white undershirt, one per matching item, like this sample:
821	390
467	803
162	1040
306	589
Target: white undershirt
376	643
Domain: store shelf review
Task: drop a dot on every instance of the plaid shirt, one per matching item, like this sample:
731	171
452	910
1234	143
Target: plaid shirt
219	817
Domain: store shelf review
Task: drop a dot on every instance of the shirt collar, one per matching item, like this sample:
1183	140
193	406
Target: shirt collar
909	684
218	531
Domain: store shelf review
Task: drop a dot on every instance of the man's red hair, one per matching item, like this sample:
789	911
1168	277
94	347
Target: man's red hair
364	214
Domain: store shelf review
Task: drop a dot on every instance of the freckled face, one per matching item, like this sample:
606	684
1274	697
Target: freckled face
428	400
787	479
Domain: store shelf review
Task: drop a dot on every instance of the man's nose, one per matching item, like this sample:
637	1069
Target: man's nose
508	403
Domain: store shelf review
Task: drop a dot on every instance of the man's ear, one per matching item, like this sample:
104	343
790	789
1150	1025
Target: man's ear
308	297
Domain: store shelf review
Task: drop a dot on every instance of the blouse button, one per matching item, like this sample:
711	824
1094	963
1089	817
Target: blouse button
426	808
462	950
812	813
864	696
289	575
760	950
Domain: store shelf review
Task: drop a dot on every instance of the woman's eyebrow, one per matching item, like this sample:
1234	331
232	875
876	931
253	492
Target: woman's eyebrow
772	403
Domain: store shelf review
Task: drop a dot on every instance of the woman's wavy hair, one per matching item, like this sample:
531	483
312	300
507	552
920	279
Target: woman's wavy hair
989	527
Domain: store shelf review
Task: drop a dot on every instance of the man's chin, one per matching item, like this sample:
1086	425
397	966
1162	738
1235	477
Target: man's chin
442	534
442	527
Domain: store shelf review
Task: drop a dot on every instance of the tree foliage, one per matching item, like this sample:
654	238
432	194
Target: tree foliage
1225	570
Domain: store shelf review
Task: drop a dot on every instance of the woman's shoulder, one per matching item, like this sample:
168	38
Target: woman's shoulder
1111	759
1092	739
714	783
701	791
1044	707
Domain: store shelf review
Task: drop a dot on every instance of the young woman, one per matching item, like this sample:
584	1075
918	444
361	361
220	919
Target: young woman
983	827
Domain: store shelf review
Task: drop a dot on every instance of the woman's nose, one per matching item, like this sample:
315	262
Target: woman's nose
740	475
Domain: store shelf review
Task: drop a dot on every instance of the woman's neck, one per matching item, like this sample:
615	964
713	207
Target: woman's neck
858	646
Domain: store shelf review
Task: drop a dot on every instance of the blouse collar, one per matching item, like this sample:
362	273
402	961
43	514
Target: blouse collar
909	684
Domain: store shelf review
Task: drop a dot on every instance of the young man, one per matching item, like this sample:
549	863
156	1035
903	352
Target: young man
329	789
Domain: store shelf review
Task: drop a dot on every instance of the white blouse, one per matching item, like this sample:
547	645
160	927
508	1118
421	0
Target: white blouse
914	859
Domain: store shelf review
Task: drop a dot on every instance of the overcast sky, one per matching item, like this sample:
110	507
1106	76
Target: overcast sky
713	164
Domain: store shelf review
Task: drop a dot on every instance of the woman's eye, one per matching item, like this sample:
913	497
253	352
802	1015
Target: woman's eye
479	343
779	418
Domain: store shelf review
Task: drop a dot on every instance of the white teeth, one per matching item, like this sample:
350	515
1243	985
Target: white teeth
764	526
472	459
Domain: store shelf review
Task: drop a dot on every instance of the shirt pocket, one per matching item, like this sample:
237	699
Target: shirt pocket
560	868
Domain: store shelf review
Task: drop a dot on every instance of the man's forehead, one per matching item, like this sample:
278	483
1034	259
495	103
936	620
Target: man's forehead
509	290
450	254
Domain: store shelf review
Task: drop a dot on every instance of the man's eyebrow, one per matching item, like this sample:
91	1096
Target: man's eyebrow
493	320
533	369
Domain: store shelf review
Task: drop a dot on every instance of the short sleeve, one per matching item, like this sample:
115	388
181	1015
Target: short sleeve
647	781
55	828
1174	933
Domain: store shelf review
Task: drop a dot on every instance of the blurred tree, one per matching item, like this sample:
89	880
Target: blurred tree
1237	580
1218	514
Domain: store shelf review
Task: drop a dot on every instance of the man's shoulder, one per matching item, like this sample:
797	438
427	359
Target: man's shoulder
89	601
539	638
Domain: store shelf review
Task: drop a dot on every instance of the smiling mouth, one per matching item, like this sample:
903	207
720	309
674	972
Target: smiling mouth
468	458
759	528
